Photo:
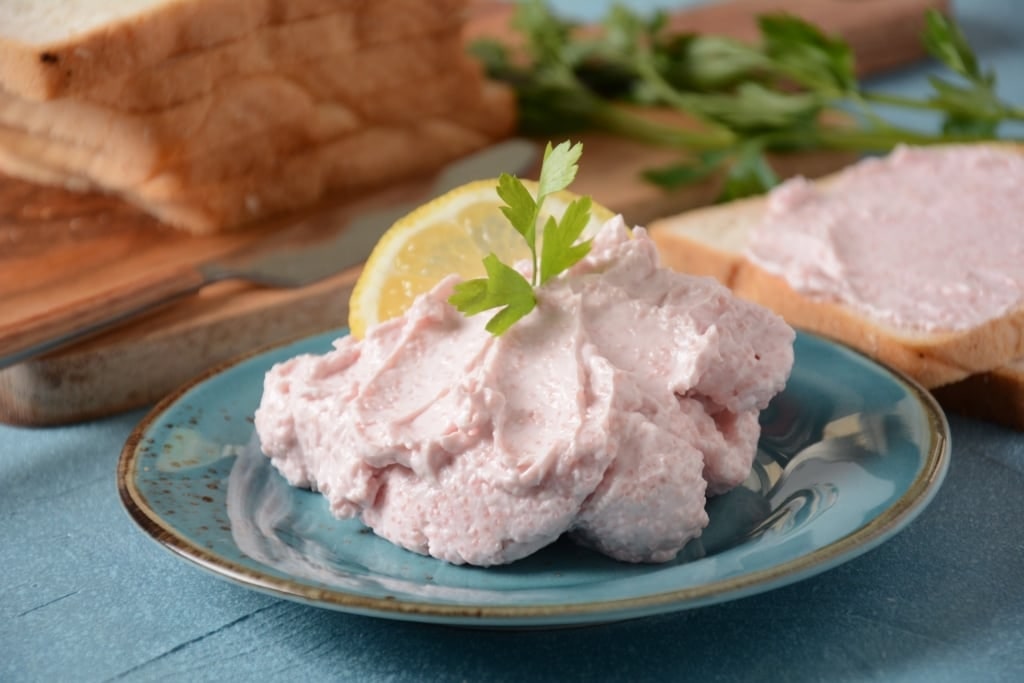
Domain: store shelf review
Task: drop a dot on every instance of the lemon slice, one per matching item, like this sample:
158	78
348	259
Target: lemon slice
450	234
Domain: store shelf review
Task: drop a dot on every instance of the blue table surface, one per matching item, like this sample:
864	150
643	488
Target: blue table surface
85	595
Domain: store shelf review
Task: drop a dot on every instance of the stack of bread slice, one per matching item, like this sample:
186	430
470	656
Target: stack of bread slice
210	114
976	371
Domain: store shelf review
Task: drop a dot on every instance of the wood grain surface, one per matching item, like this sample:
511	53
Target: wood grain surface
59	249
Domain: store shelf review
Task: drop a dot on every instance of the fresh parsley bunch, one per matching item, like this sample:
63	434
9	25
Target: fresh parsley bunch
505	287
750	99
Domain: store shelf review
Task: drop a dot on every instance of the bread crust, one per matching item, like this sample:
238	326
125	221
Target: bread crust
320	54
177	27
213	154
358	160
240	106
997	396
362	160
195	73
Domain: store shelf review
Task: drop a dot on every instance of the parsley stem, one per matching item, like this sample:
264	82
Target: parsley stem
1006	111
860	140
902	101
534	261
864	107
620	121
681	101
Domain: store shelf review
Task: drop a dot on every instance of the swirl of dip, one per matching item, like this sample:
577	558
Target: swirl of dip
609	412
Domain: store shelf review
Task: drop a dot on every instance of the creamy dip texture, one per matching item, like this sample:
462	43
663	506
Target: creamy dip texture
925	239
609	412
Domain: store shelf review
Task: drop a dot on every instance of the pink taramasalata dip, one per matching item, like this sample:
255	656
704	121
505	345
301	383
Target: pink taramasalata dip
609	412
924	239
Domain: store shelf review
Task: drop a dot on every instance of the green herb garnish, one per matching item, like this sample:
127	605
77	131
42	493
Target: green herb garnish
772	97
505	287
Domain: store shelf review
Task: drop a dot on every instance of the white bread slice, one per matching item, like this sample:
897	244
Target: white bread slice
456	93
711	241
360	158
243	104
118	149
190	75
52	48
368	156
365	159
319	52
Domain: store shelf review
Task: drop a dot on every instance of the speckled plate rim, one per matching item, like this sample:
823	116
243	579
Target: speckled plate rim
886	524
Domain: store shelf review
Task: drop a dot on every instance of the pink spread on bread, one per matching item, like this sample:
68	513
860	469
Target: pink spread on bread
924	239
610	412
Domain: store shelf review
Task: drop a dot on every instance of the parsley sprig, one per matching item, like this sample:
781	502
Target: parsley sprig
751	99
505	287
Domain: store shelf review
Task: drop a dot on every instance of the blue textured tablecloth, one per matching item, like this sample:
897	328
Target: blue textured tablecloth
84	595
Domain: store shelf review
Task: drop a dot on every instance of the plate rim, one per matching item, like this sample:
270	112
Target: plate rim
905	509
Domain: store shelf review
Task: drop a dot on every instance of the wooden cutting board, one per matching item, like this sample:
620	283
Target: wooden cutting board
57	247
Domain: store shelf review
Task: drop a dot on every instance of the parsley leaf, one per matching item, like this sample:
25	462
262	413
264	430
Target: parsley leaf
559	168
750	175
803	52
505	287
521	211
688	172
559	249
946	42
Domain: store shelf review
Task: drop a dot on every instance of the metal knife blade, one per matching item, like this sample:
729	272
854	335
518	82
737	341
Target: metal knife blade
298	254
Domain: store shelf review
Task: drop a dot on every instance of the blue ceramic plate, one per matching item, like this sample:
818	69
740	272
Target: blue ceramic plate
850	454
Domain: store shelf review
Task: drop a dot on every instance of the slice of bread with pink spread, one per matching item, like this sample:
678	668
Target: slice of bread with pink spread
975	366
